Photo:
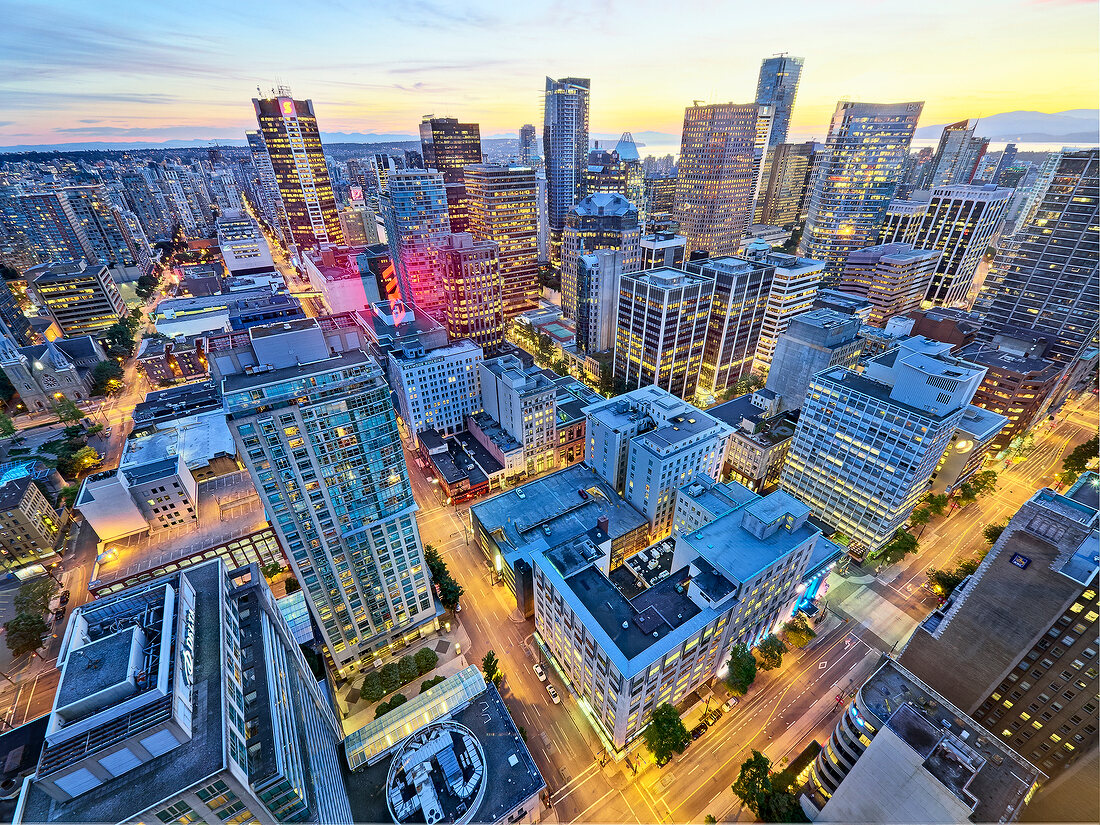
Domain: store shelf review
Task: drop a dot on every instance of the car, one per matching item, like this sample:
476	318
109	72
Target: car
520	493
63	599
540	672
729	703
553	695
712	717
107	433
698	730
59	614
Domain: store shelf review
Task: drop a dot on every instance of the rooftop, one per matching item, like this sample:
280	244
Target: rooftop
854	382
243	381
186	399
1009	362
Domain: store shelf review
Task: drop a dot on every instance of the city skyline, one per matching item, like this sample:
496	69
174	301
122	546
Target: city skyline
189	73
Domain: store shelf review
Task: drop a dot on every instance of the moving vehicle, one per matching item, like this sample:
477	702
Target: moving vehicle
539	672
553	695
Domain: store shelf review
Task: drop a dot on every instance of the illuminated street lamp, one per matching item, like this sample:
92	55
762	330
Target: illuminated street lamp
498	563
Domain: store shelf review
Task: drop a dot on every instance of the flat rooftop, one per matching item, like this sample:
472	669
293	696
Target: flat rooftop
341	360
855	382
174	402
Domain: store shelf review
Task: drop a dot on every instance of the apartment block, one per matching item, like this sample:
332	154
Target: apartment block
894	278
437	389
29	524
80	298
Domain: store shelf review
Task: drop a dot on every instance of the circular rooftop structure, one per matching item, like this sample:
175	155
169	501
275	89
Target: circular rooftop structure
437	776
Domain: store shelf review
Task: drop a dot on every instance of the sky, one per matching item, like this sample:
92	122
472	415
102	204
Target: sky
124	70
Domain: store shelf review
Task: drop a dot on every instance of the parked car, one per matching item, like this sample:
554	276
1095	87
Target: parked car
63	599
729	703
712	717
540	672
553	695
59	614
698	730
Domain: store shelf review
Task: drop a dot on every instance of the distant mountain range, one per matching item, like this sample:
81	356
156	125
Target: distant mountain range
1074	125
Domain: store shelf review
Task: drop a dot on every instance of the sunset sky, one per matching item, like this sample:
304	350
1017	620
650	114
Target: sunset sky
120	71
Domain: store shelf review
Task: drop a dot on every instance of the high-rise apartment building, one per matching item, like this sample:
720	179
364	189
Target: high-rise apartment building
1008	157
312	419
602	221
81	299
472	290
29	524
742	287
565	151
414	209
721	152
867	443
811	343
527	151
450	146
960	222
794	286
146	201
777	87
597	291
893	277
13	323
48	223
1044	277
660	199
784	184
267	189
957	155
1015	644
187	699
503	208
855	178
662	328
100	222
524	403
293	144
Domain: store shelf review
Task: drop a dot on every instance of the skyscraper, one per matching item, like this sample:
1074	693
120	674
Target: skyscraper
777	87
271	202
503	209
596	293
793	289
317	433
1044	277
867	443
893	277
450	146
565	151
784	184
602	221
958	154
414	209
526	143
472	289
293	144
721	152
50	225
857	175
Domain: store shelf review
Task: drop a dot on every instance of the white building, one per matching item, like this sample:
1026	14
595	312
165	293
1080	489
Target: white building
524	403
597	298
794	286
436	389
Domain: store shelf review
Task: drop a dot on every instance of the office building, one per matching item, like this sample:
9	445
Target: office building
604	173
759	440
959	222
523	402
665	249
438	388
1008	158
1044	277
450	146
721	153
902	752
187	698
602	221
784	184
957	154
13	323
742	287
472	290
969	449
813	341
359	226
663	317
29	524
660	199
293	144
843	303
564	151
855	178
81	299
527	152
794	286
777	87
867	443
952	326
414	208
597	293
342	278
1015	644
311	413
503	209
893	277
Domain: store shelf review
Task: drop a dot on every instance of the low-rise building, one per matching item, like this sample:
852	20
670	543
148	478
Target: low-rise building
968	450
394	325
169	361
42	373
29	523
758	442
339	274
436	389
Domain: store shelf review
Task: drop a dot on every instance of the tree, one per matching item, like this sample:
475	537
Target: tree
491	668
25	633
271	569
409	671
992	532
7	426
450	592
395	701
709	820
68	495
391	677
607	379
920	517
119	340
755	789
372	687
34	596
72	465
798	631
983	482
771	651
428	684
66	411
944	582
666	734
742	670
1077	461
107	378
901	545
426	660
937	504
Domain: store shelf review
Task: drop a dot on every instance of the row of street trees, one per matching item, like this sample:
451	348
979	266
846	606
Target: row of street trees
27	631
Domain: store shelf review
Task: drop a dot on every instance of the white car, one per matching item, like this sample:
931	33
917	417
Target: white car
553	695
729	703
540	672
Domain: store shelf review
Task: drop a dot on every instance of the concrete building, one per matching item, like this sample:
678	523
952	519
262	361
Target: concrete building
187	698
893	277
759	440
80	298
472	290
414	208
812	342
564	151
502	203
867	443
902	752
843	303
43	373
1015	643
663	318
523	401
596	301
29	524
449	147
359	226
243	247
601	221
437	389
969	449
855	179
722	151
952	326
311	413
338	274
293	144
663	249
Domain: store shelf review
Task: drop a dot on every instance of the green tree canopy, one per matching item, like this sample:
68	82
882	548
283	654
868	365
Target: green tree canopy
944	582
107	378
426	660
901	545
755	789
372	687
1079	457
666	734
7	426
771	651
34	596
937	504
992	532
67	412
798	632
491	668
742	670
25	633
